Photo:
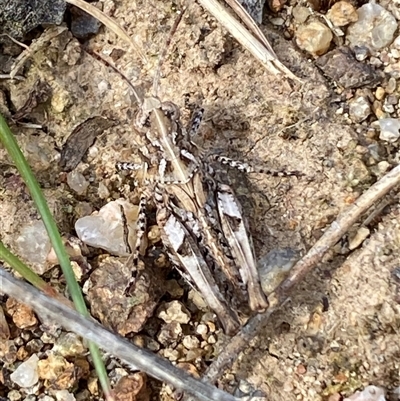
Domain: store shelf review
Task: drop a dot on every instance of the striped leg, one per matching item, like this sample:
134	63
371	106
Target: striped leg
140	230
123	166
245	167
162	178
195	121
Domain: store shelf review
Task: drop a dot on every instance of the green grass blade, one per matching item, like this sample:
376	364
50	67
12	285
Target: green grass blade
29	275
11	145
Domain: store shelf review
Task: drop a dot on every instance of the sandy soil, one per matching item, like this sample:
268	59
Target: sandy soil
340	331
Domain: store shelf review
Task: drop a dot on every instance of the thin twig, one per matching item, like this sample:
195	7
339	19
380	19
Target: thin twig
338	228
138	97
164	50
15	41
35	46
8	76
144	360
277	298
234	347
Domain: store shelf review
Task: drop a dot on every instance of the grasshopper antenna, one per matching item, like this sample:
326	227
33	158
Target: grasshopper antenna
161	58
115	69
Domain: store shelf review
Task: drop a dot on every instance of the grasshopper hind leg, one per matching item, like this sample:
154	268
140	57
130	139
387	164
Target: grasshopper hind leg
140	230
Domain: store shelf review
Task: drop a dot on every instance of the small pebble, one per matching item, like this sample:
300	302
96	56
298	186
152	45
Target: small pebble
245	387
361	52
14	395
106	229
301	13
342	13
374	29
33	245
202	329
64	395
152	344
275	266
301	369
394	53
315	38
171	354
389	129
174	311
359	109
77	182
169	333
58	370
22	354
388	108
277	21
69	345
191	342
194	354
383	167
154	234
22	315
380	93
83	25
396	43
131	388
375	62
211	339
211	326
334	346
359	237
93	385
392	99
377	109
103	191
197	299
59	101
26	375
47	338
370	393
34	345
188	367
93	152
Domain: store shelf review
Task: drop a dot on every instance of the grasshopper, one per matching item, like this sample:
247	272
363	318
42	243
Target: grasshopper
201	221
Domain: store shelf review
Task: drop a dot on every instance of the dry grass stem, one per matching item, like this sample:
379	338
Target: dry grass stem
246	39
251	24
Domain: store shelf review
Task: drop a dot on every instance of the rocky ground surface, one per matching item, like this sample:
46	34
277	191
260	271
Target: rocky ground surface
339	127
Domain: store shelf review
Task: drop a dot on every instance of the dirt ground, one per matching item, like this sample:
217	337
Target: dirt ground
341	329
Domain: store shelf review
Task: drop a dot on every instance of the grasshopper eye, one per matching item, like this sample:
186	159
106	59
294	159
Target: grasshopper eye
142	119
171	110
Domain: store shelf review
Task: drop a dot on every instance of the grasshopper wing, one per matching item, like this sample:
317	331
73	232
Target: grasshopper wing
233	227
186	254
